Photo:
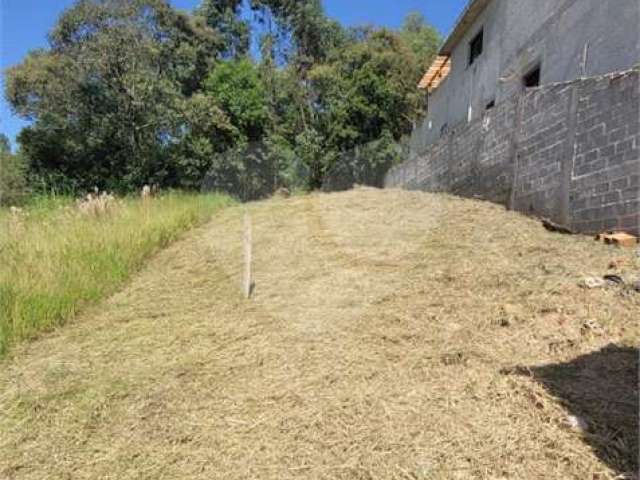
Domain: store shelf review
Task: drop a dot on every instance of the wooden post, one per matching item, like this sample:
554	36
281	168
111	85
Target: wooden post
246	278
146	198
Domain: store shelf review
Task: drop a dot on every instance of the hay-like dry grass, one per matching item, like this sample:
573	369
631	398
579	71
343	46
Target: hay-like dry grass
391	335
56	257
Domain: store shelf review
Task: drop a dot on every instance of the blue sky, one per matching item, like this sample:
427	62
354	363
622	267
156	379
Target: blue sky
24	25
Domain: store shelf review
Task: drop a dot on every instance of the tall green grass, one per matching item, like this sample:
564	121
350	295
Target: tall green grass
55	260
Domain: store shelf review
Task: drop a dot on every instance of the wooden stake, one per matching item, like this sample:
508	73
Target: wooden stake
246	278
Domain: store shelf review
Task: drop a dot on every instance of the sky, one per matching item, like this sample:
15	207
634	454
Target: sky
24	25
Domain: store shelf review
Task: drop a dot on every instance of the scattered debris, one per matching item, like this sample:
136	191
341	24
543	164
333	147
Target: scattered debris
610	280
620	239
546	269
577	423
618	263
555	227
614	279
505	322
509	315
593	283
592	327
561	345
316	325
283	192
457	358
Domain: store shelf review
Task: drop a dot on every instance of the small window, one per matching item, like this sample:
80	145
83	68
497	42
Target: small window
475	47
532	79
490	105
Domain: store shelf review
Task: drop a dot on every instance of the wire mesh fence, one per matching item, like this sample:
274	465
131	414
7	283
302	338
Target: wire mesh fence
257	170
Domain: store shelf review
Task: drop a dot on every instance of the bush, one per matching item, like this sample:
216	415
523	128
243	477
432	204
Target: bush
13	179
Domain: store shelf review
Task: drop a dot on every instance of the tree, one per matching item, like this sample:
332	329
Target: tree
247	167
13	177
132	91
304	36
421	38
106	96
364	91
303	22
238	90
5	144
207	131
224	16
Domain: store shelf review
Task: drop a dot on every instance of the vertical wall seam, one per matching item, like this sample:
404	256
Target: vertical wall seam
514	151
568	160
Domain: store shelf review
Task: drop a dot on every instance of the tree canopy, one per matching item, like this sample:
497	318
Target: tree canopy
131	92
13	180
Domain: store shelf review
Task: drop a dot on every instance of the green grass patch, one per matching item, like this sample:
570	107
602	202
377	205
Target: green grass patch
54	259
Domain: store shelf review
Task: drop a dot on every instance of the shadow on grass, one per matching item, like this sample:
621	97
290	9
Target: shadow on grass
602	388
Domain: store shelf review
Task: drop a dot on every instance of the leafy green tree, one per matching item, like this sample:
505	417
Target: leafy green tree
13	175
344	88
238	90
364	91
105	97
132	91
207	131
311	33
302	20
423	39
304	37
224	16
251	164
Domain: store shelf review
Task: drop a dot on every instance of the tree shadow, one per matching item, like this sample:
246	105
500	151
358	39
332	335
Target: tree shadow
601	388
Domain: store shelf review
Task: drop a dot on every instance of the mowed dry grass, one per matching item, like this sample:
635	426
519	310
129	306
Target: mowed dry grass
391	335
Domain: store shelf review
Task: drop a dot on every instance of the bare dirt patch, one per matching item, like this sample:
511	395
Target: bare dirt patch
391	335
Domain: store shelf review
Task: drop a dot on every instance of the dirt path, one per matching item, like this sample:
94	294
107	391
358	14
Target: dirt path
391	335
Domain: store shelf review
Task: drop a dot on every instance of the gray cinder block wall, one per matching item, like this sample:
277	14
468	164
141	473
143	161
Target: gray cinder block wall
567	39
568	151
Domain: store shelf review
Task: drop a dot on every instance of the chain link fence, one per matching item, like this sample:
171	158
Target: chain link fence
257	170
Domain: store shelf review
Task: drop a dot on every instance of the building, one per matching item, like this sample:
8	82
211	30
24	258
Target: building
567	150
501	47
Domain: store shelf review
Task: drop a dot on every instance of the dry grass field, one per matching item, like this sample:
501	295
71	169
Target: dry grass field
57	256
391	335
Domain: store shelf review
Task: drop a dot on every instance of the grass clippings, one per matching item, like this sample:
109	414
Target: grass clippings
56	256
390	335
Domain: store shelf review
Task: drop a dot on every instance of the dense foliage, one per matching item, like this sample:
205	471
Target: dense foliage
132	92
13	175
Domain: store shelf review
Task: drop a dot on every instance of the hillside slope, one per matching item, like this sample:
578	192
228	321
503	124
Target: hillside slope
391	335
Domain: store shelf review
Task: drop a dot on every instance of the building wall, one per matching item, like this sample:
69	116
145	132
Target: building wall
568	151
569	38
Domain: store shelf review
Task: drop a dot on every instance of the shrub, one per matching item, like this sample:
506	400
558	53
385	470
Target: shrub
13	179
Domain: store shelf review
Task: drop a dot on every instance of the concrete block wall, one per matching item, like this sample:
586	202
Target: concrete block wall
569	152
544	140
605	182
